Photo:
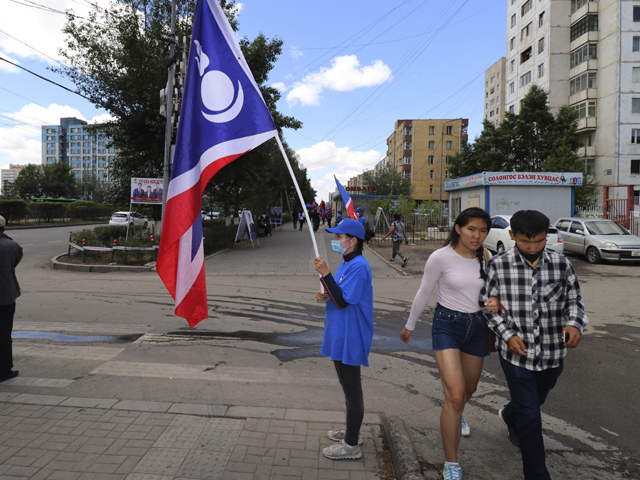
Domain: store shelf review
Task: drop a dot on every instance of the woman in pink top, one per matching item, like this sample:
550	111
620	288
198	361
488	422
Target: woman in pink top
459	331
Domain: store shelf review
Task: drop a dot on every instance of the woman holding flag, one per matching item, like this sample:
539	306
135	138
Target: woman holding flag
348	330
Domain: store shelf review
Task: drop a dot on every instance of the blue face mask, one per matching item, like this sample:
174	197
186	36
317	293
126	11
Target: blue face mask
335	244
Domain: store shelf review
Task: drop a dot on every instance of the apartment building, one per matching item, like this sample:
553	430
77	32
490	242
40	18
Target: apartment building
88	154
8	175
420	150
586	54
494	78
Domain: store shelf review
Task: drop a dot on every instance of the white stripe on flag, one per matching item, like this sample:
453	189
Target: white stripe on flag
237	146
188	270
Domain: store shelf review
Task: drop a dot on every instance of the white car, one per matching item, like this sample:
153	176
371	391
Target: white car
211	215
131	218
498	240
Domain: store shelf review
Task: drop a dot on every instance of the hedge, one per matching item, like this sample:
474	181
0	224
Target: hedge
13	210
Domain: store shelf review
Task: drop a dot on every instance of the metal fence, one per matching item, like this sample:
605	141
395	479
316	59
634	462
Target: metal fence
420	229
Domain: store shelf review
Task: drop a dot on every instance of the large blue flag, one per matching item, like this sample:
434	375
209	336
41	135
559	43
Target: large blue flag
223	116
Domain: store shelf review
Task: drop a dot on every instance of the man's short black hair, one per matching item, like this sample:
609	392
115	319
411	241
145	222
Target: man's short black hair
396	216
529	223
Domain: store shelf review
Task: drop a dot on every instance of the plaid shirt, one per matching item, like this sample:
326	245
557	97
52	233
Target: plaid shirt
537	304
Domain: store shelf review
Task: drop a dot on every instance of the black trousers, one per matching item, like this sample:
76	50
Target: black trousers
351	382
6	326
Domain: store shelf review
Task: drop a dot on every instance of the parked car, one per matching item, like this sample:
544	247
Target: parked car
598	239
499	240
131	218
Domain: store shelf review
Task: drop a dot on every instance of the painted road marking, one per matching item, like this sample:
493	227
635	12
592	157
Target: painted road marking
104	328
98	354
39	382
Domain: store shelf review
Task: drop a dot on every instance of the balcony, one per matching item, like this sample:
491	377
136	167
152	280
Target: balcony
588	94
589	7
589	37
406	168
587	151
584	66
406	153
407	138
586	124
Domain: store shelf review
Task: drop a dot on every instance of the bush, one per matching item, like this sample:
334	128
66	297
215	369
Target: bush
47	211
86	210
217	236
104	236
286	218
13	210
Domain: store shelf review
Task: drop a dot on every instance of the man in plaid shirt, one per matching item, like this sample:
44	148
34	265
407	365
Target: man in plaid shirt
541	302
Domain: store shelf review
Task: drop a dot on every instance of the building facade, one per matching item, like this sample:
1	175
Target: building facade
494	90
585	54
420	150
87	153
8	175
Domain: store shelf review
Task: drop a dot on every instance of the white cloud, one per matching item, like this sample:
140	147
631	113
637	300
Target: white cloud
296	53
345	74
324	160
4	66
281	87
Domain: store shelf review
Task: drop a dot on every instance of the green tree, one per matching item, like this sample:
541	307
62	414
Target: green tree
8	191
28	183
387	181
59	181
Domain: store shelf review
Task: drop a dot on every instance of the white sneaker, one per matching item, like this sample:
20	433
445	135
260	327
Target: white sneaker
342	451
339	434
466	430
452	472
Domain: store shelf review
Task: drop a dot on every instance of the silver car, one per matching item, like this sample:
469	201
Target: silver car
598	239
498	240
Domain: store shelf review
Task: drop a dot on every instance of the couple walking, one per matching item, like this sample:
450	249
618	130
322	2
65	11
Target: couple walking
528	296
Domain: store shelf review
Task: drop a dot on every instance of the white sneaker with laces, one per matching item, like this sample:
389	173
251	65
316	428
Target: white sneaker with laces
466	430
452	472
342	451
339	434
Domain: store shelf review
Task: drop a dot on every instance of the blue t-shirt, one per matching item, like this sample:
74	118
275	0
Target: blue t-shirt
338	219
363	221
348	332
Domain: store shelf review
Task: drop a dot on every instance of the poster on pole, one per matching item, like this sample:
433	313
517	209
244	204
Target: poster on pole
147	190
276	216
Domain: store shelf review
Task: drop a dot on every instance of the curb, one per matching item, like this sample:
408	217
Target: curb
398	269
29	227
403	455
56	265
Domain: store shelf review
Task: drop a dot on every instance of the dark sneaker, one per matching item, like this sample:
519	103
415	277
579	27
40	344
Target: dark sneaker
512	435
339	434
391	260
341	451
404	262
10	375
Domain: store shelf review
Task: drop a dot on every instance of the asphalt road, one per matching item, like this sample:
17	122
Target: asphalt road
42	242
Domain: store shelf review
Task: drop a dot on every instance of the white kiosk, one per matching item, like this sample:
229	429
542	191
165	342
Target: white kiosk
504	193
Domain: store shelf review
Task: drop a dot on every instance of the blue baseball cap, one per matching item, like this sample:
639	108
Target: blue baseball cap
339	211
350	227
359	209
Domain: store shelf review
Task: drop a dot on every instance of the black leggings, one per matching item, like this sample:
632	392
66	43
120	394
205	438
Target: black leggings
350	380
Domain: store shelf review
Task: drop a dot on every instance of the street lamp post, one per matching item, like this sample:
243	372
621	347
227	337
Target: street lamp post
441	187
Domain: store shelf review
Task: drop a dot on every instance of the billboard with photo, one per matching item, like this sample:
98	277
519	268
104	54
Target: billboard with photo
147	190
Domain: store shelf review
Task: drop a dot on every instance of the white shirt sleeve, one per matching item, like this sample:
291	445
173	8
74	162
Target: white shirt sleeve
432	273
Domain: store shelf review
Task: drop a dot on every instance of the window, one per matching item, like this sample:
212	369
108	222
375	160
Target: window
405	146
524	33
525	79
497	110
449	144
431	174
635	167
75	162
493	78
498	98
492	101
635	105
586	24
512	109
486	106
406	160
432	145
430	160
491	114
407	131
635	136
513	66
447	159
430	188
512	87
582	82
635	75
513	20
432	130
636	44
407	174
450	130
526	6
586	109
586	52
513	1
493	90
51	145
446	174
541	45
526	55
541	20
512	43
590	166
578	4
541	70
636	14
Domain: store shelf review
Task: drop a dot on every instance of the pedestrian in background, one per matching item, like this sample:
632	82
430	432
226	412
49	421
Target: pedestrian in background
398	236
10	256
348	330
361	217
294	218
329	217
301	219
541	303
459	330
339	217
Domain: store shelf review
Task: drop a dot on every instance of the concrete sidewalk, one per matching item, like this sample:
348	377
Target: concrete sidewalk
70	438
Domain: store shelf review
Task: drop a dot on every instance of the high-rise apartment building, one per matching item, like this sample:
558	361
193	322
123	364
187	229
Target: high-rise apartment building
585	54
420	150
494	89
8	175
87	153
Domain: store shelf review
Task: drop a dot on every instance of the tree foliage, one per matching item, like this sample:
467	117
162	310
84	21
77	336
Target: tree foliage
534	140
55	181
387	181
115	58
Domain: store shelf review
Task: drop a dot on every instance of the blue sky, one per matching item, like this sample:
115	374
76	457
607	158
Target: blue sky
348	71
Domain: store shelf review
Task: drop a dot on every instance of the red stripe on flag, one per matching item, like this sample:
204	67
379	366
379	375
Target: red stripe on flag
194	305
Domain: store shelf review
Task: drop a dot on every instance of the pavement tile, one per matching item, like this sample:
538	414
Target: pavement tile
47	457
281	457
178	437
161	461
61	475
129	464
31	399
89	402
142	405
196	409
21	471
212	439
203	464
144	476
259	412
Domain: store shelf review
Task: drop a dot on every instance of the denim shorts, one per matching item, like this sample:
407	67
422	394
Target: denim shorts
466	332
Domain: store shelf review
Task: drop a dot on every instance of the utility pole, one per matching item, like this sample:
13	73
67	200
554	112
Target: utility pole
168	131
441	187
